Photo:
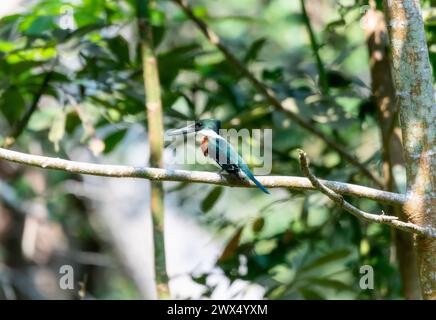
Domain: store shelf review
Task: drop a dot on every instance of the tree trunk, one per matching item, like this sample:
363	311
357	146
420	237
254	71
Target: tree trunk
155	136
383	94
414	89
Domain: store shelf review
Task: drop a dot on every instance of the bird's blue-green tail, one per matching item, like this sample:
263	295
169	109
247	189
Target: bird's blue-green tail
252	178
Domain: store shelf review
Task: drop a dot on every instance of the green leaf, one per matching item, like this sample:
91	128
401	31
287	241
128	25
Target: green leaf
158	35
57	130
334	24
254	50
6	46
72	122
337	79
272	75
200	12
40	25
157	17
24	66
433	60
176	59
232	246
12	105
258	224
113	139
120	49
64	35
211	199
201	279
310	294
330	283
83	18
336	255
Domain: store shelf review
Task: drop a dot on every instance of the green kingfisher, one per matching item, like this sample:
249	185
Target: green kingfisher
214	146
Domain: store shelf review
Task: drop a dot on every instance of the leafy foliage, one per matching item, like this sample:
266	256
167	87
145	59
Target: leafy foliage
293	248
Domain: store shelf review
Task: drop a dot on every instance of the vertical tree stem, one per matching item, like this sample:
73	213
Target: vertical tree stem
414	88
383	93
155	135
315	48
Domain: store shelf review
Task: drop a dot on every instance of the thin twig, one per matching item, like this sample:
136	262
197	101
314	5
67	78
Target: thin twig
117	171
315	48
392	221
270	95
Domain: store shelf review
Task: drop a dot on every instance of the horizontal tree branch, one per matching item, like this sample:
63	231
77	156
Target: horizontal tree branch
392	221
294	183
269	94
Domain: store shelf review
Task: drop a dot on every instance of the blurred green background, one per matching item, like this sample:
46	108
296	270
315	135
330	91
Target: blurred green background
77	62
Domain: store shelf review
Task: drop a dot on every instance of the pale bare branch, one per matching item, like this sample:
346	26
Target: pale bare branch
391	221
118	171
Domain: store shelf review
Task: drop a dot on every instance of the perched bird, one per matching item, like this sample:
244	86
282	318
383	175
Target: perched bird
217	148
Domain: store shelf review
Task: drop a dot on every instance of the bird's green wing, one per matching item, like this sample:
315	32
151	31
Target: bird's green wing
223	152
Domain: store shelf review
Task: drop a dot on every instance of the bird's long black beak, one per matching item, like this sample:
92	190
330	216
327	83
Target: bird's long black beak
185	130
